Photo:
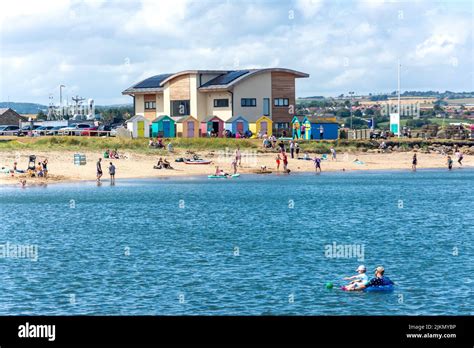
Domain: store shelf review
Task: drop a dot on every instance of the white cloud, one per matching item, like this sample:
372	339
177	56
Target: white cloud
309	8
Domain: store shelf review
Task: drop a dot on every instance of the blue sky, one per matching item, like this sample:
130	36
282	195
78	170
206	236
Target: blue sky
98	48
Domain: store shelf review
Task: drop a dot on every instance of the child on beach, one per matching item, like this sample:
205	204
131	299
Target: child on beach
450	163
234	165
333	153
317	164
414	163
99	169
112	173
278	159
459	156
360	279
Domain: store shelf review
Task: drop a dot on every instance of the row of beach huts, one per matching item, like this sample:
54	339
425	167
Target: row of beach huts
301	127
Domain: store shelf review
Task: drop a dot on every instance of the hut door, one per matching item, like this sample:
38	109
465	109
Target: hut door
190	129
264	127
240	127
166	129
141	129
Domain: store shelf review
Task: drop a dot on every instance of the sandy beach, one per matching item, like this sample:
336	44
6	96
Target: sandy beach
62	168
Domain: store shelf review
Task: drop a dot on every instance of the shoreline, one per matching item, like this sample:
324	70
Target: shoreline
140	166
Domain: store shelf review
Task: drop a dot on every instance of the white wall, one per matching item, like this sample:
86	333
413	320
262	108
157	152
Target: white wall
258	86
222	113
139	104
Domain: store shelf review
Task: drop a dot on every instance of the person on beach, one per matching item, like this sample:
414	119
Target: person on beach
99	169
278	159
360	279
112	173
414	162
450	163
44	164
459	156
285	162
333	153
281	145
297	149
292	149
234	165
238	156
317	164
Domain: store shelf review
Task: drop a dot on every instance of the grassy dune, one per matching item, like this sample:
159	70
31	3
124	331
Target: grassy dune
67	143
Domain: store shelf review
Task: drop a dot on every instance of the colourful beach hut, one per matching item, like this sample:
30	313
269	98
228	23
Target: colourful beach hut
212	125
187	127
328	125
306	129
237	124
139	126
163	126
264	125
296	128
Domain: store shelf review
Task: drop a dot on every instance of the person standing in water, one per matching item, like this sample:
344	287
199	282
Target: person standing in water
450	163
414	162
99	169
112	173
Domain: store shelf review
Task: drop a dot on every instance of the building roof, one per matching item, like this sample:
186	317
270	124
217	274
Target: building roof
209	118
162	117
235	118
136	118
224	80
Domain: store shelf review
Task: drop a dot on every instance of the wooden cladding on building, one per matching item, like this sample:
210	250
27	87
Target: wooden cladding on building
283	86
179	88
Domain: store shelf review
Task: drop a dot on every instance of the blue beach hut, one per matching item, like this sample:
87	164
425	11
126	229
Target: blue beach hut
163	126
296	127
237	124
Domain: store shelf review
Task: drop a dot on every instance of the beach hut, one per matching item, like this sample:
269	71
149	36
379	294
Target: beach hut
328	125
264	125
212	124
187	127
296	128
163	126
139	126
237	124
306	129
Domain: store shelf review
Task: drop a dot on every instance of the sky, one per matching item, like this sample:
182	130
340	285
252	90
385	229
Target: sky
99	48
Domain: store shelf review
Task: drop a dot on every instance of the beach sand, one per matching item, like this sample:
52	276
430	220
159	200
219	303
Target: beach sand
61	166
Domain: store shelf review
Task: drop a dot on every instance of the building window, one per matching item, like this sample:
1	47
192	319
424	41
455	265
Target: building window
150	105
266	106
281	102
221	103
248	102
180	108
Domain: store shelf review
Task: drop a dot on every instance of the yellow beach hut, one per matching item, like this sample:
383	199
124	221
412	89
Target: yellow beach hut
263	125
139	126
187	127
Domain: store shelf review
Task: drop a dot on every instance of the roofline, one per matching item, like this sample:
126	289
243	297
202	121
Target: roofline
253	72
187	72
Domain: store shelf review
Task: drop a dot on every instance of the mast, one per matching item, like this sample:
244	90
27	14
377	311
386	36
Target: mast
399	104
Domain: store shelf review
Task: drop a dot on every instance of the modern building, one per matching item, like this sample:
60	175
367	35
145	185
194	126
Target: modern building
203	94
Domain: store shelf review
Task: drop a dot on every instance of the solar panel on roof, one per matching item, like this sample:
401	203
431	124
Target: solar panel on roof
226	78
152	82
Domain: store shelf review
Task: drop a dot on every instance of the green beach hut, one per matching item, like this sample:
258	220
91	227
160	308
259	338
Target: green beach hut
163	126
306	129
296	127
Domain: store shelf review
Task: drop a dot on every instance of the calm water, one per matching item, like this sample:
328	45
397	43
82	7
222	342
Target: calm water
237	246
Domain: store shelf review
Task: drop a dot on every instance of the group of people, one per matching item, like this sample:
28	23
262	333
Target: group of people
449	160
163	164
112	154
100	172
269	142
361	281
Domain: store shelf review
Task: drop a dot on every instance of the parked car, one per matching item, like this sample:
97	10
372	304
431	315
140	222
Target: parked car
90	131
26	129
104	130
9	130
74	129
42	130
54	130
